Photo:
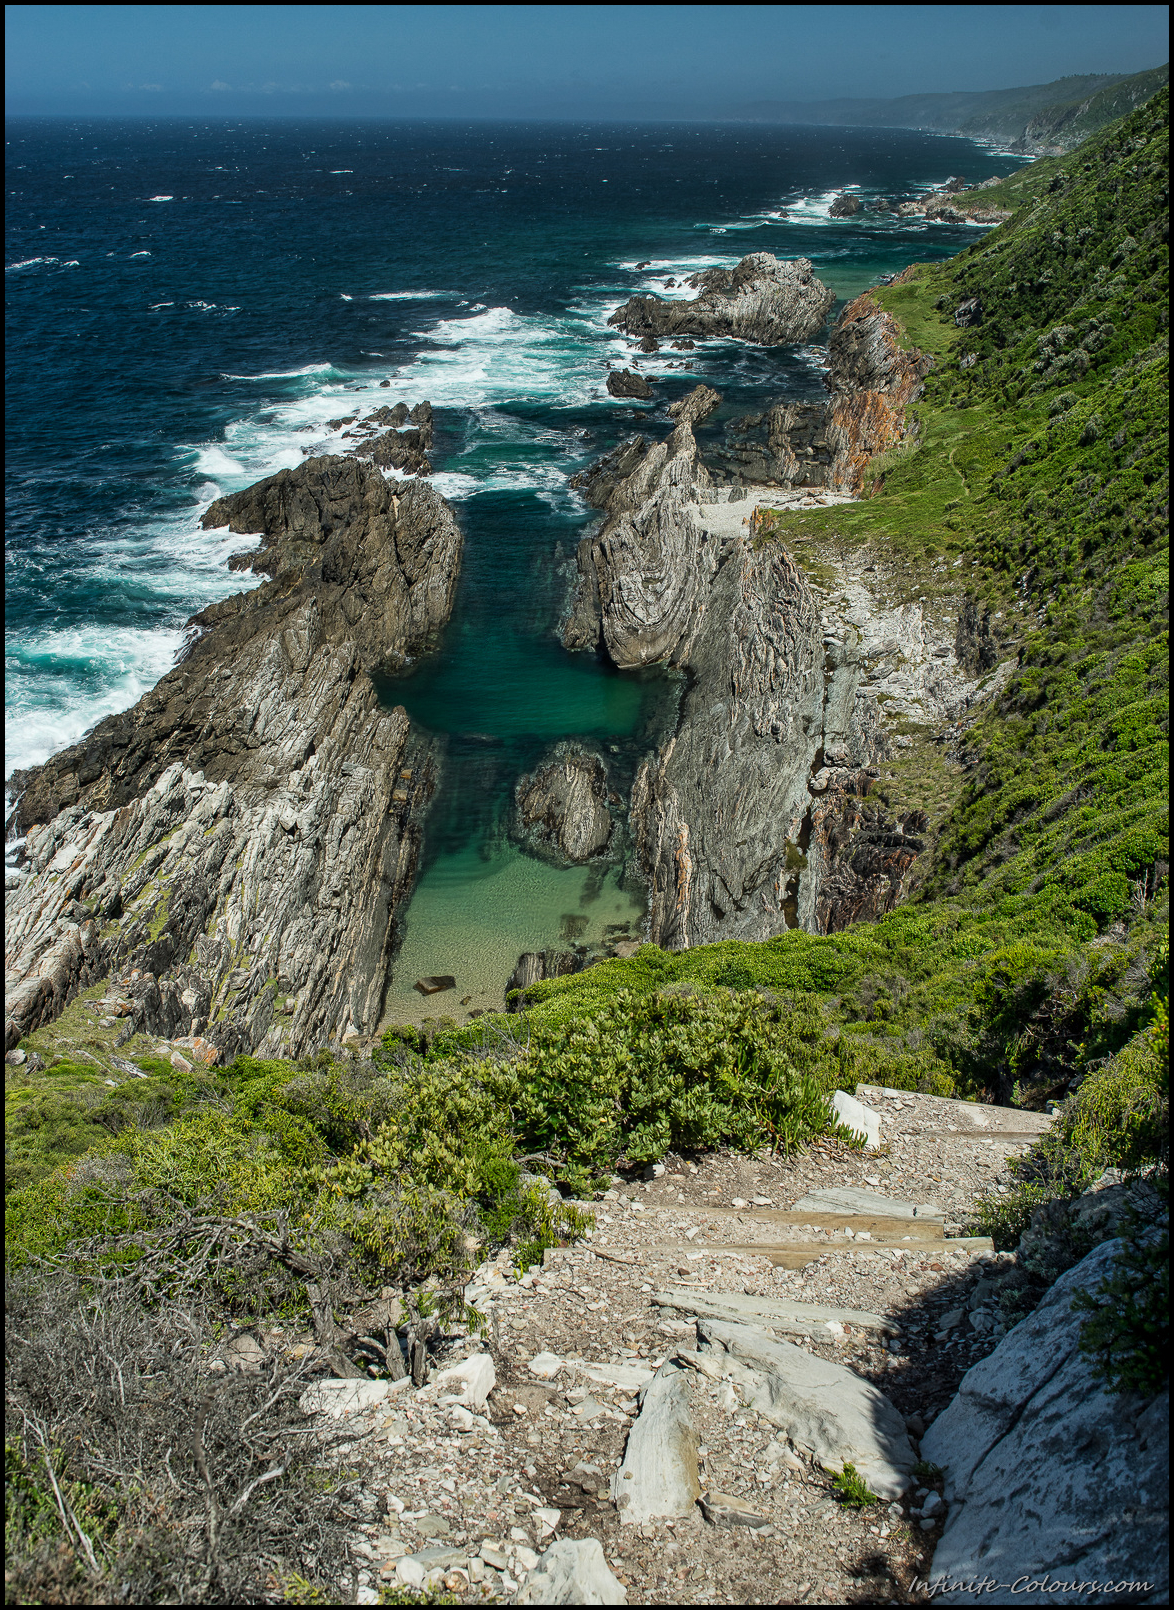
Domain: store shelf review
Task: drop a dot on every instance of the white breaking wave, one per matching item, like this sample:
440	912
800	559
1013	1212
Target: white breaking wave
411	296
160	198
61	680
286	374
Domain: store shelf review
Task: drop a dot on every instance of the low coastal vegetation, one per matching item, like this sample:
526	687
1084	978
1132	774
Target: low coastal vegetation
154	1211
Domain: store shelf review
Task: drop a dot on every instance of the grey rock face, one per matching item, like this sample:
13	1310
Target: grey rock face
573	1572
1049	1476
644	579
824	1409
247	833
756	815
719	815
624	383
599	481
561	811
659	1475
761	300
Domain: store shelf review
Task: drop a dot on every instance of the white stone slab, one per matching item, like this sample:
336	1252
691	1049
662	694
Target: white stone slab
854	1115
659	1476
851	1199
779	1313
824	1409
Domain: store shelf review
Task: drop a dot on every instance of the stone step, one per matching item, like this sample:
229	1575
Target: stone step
798	1254
890	1226
967	1115
776	1313
853	1199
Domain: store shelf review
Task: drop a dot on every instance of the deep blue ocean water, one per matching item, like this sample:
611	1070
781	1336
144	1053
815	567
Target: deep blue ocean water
189	303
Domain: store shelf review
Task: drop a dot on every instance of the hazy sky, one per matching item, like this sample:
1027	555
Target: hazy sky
545	61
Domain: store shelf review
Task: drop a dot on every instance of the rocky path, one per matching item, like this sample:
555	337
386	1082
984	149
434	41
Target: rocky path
673	1388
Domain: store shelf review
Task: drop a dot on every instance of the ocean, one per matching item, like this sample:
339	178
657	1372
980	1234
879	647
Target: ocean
191	303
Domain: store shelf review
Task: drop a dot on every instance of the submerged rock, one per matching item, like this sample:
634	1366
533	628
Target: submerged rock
763	300
248	833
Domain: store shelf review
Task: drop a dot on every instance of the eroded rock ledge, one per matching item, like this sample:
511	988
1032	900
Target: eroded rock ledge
239	844
761	300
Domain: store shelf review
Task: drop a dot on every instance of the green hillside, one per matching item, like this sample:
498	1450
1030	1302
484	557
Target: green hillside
1033	117
1062	127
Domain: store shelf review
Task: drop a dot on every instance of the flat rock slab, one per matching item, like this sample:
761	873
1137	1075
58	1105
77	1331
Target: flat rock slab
573	1572
801	1319
852	1199
1049	1477
339	1397
659	1477
629	1377
823	1409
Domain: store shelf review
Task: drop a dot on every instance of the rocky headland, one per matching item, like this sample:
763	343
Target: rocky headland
236	850
754	816
763	300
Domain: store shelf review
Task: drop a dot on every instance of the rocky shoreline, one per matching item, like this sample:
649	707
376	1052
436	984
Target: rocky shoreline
238	850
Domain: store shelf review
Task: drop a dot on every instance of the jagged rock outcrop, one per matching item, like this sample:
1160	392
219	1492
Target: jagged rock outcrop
392	448
644	578
625	383
698	405
719	814
757	815
829	444
561	811
599	480
845	206
763	300
535	965
243	838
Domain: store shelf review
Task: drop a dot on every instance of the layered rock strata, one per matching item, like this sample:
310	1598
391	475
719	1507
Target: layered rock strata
829	444
761	300
238	845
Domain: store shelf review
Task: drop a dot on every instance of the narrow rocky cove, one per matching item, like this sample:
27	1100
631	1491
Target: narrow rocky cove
240	848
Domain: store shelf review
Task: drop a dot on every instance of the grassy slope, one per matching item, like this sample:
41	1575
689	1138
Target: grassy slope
1041	466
